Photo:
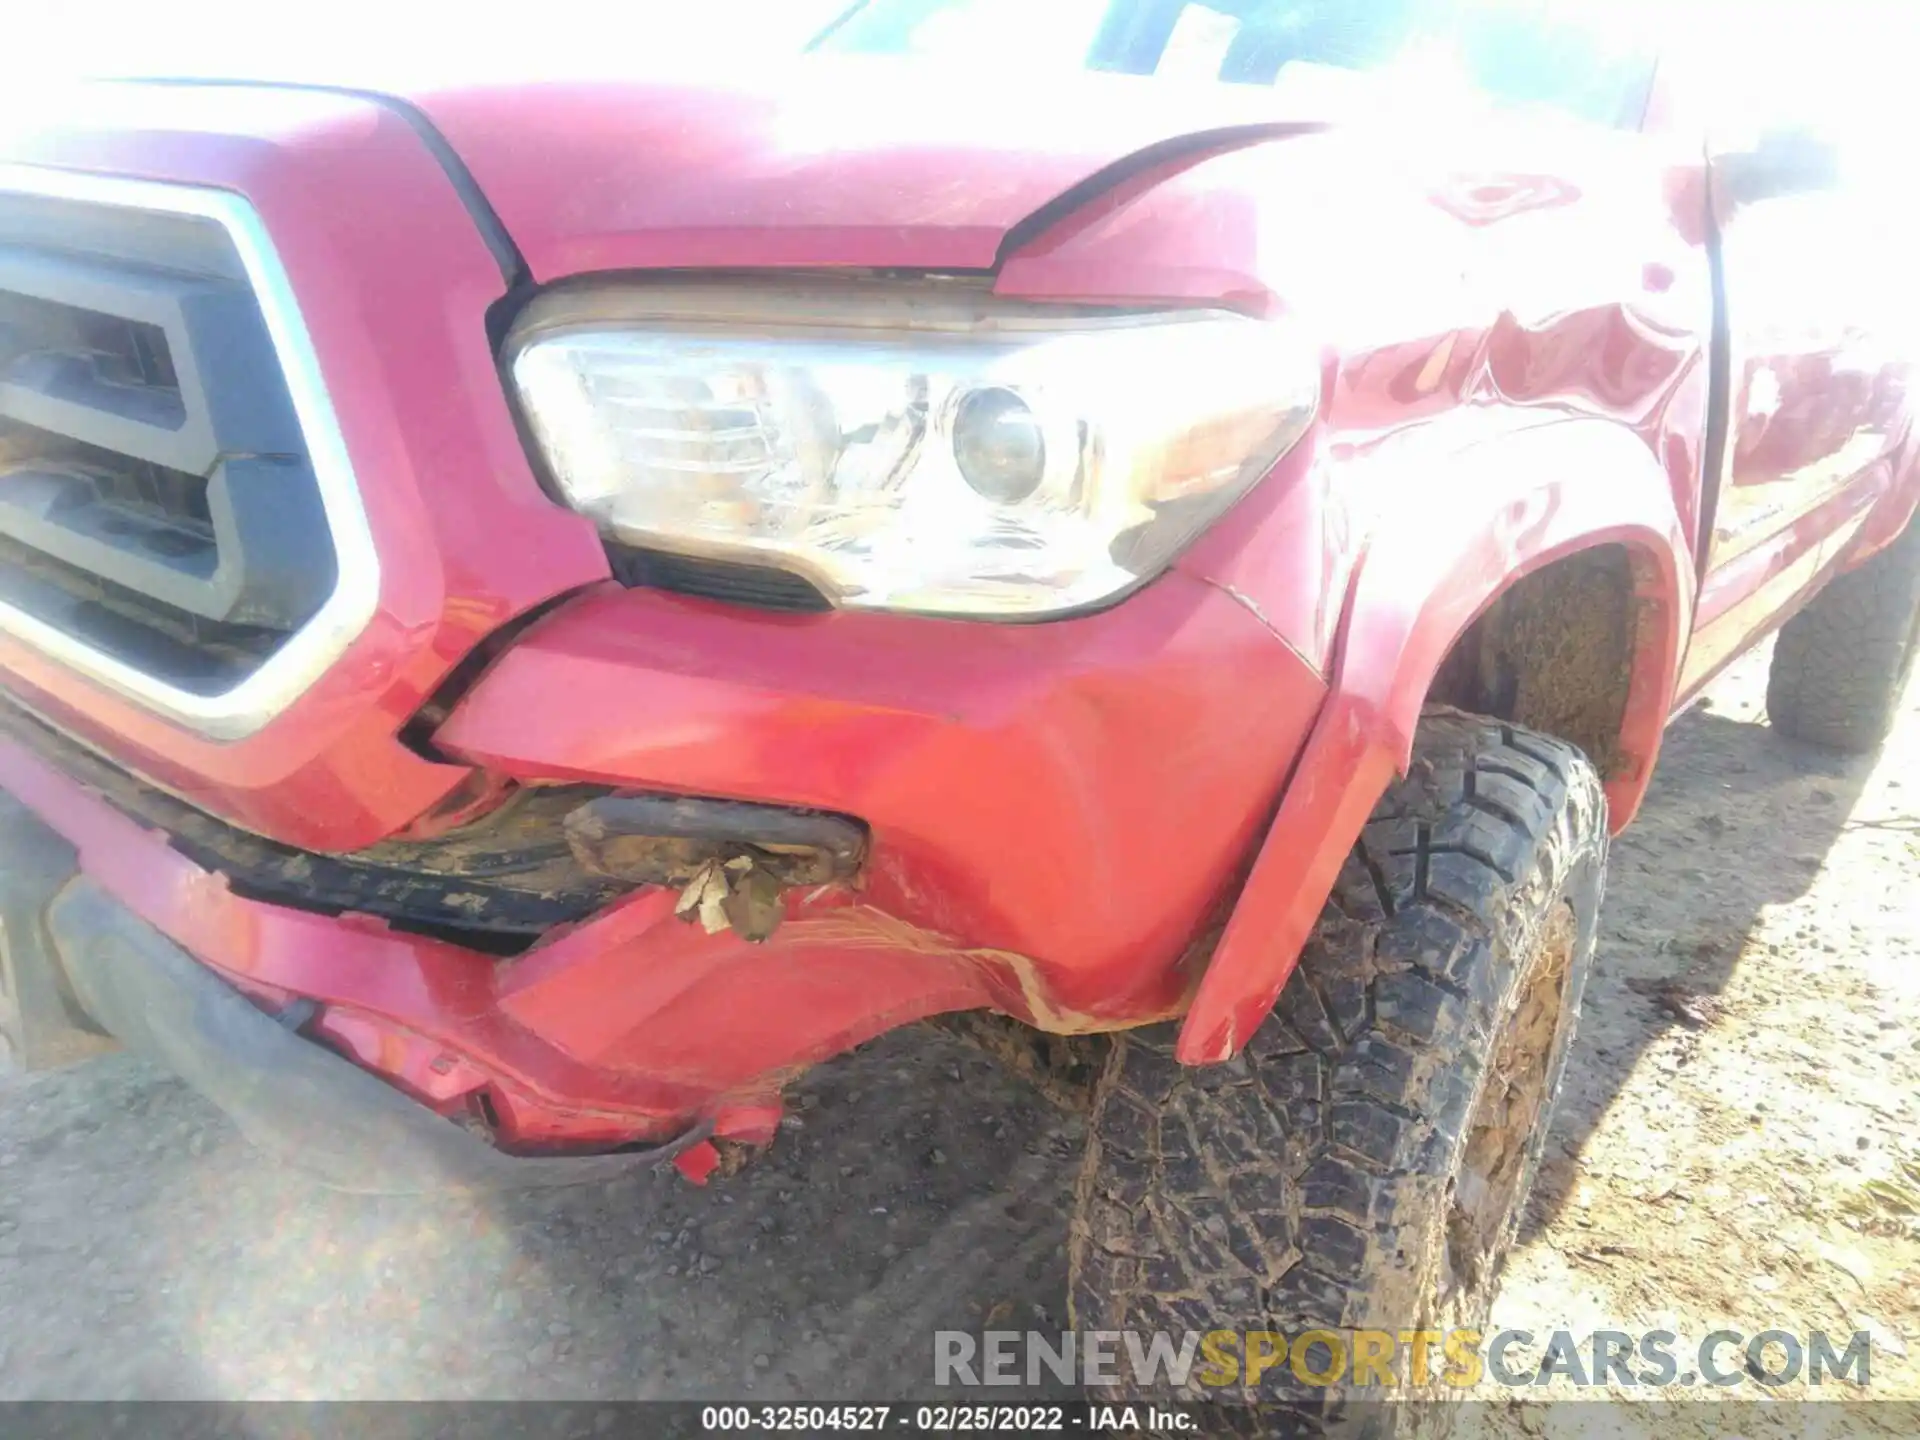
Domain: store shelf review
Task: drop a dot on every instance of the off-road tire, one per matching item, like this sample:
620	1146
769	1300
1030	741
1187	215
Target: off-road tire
1841	664
1364	1162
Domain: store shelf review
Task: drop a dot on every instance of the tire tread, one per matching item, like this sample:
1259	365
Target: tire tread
1313	1147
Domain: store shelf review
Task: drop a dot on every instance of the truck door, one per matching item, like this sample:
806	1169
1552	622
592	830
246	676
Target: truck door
1814	378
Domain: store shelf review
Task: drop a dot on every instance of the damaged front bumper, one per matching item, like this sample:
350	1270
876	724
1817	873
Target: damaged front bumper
1033	820
82	968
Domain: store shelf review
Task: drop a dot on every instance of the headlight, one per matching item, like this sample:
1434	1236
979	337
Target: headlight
908	448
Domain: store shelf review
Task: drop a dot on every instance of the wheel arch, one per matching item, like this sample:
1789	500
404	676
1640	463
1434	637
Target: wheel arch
1531	508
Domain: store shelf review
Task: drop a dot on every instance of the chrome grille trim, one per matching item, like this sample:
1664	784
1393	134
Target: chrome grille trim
311	650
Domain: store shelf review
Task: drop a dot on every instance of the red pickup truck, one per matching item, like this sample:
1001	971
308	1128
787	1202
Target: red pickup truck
532	611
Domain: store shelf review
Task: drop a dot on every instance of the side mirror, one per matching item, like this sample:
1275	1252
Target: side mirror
1783	162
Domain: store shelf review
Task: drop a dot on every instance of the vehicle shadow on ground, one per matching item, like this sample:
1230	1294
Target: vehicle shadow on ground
916	1187
147	1251
1738	818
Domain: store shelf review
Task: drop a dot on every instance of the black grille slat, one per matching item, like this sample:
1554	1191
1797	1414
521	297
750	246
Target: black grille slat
86	358
94	490
75	330
196	655
156	499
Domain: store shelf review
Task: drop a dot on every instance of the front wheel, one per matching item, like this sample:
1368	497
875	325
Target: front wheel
1363	1164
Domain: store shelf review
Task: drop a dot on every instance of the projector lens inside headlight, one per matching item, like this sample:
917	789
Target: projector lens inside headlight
998	445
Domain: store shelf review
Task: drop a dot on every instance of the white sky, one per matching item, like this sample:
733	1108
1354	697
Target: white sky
1870	46
233	37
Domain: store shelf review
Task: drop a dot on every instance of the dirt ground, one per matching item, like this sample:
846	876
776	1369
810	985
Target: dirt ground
1738	1146
1738	1142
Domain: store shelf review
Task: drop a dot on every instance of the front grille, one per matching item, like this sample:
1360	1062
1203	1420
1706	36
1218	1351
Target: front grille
157	502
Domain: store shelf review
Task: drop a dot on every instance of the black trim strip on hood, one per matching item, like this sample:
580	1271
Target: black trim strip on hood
1190	149
514	271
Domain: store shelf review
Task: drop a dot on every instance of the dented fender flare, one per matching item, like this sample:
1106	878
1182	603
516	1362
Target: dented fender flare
1459	527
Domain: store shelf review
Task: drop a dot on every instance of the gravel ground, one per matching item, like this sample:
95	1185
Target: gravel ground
1748	1068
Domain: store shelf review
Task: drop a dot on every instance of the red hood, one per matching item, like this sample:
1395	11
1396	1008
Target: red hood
825	162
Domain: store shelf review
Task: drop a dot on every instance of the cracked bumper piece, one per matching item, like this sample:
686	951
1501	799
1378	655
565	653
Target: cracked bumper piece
300	1102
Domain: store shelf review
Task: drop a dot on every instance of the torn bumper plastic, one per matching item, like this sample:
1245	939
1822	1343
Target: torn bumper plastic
109	972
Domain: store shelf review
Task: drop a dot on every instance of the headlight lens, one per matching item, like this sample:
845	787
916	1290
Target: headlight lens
943	454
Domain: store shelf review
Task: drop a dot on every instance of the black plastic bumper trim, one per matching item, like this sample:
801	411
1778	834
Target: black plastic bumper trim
42	1025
